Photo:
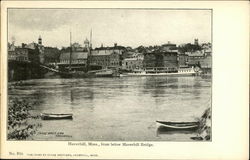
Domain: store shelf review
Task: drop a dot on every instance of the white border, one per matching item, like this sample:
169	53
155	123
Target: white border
230	88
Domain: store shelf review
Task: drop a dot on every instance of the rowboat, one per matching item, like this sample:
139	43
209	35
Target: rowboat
51	116
179	125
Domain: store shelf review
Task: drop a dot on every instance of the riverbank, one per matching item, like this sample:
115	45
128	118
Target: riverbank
20	125
204	130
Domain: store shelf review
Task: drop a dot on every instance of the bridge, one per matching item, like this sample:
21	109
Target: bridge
22	70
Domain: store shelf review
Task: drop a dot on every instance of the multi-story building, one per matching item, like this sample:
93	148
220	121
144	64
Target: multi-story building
78	61
105	58
38	46
200	59
206	62
182	60
159	59
169	47
207	48
149	60
117	49
24	55
194	58
133	62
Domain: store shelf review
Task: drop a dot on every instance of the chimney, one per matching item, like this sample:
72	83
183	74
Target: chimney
23	45
115	45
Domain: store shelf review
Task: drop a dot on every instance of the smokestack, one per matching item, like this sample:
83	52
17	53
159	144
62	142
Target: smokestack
23	45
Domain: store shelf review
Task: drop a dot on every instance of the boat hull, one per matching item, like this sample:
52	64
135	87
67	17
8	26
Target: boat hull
90	74
48	116
178	125
159	74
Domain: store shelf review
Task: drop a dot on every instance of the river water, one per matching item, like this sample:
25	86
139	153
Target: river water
116	109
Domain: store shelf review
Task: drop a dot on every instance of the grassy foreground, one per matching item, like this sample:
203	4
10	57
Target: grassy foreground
20	126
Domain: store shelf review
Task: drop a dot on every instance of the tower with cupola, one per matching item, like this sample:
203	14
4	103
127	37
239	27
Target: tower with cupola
41	49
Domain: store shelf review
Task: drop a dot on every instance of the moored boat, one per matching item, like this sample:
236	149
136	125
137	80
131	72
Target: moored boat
102	73
87	71
163	72
179	125
52	116
89	74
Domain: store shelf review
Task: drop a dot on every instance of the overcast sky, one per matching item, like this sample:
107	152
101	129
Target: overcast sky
128	27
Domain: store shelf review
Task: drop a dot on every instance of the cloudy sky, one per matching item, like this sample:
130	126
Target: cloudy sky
126	27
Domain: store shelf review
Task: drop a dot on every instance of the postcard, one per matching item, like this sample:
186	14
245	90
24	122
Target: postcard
124	80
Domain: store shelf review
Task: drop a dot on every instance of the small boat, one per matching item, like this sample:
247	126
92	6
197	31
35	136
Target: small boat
52	116
179	125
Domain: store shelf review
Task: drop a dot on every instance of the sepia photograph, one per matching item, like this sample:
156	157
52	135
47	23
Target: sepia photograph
109	74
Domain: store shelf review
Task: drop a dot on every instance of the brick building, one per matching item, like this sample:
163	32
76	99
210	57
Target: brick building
149	60
105	58
161	59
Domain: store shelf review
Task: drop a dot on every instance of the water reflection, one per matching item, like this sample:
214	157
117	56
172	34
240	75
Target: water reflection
165	131
71	96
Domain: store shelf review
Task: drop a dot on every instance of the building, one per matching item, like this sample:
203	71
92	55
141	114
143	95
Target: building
51	55
159	59
207	48
105	58
12	55
76	47
169	47
196	41
133	62
78	61
206	62
38	46
132	54
194	58
200	59
117	49
24	55
11	46
149	60
169	59
182	60
127	54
